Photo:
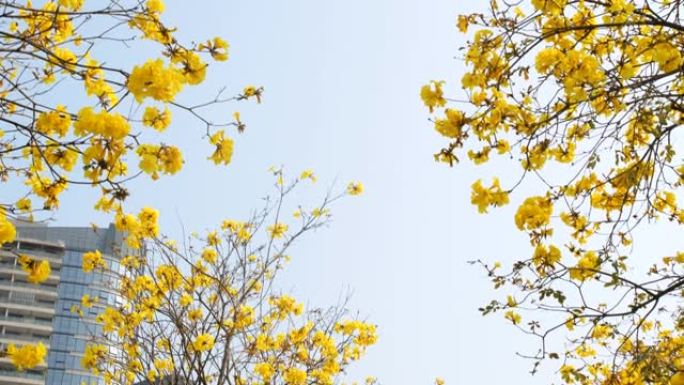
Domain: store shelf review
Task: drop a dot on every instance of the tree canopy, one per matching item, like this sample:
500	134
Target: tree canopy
586	98
106	133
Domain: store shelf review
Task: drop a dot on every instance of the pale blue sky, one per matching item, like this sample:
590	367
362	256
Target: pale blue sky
342	80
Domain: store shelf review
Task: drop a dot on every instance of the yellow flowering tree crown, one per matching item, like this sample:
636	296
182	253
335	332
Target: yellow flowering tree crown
586	97
105	133
206	311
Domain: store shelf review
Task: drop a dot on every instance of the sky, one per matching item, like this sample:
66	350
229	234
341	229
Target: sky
342	81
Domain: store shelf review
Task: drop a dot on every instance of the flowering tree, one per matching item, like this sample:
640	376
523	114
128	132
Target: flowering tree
586	96
102	136
207	312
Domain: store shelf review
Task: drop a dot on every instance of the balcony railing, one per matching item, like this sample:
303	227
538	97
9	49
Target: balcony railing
29	302
6	282
31	376
29	320
32	339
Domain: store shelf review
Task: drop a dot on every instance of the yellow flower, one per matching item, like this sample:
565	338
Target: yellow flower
155	6
601	331
209	255
192	67
677	379
265	371
586	267
224	148
27	356
218	48
195	314
439	381
251	91
545	257
92	356
286	305
203	342
452	125
294	376
23	205
355	188
148	222
550	7
93	260
277	230
55	122
480	157
155	80
73	5
547	59
213	239
462	25
159	120
513	317
483	197
87	301
185	300
38	271
433	95
7	231
308	174
534	213
103	123
154	158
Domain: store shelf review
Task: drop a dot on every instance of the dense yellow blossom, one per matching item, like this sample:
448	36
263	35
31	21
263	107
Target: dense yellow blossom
159	120
109	125
155	80
203	343
451	125
38	271
27	356
155	159
586	267
7	230
93	260
294	376
534	213
265	370
57	122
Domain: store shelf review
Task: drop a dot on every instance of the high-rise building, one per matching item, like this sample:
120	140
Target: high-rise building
60	298
27	311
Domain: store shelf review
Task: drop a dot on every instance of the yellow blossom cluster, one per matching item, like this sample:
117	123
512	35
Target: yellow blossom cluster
38	271
27	356
483	197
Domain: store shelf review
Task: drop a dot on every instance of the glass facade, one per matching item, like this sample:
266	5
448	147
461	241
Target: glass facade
70	331
27	310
